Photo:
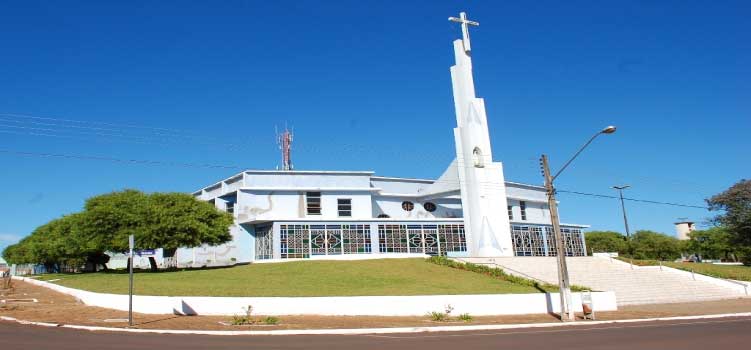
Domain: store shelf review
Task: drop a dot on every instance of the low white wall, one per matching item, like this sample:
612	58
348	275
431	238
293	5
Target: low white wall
477	305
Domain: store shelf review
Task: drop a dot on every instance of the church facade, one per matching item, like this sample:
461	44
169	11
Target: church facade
468	211
283	215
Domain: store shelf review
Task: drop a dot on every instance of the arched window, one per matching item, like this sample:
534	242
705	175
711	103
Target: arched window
477	157
408	206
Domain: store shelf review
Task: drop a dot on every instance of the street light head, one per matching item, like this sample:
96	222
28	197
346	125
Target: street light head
609	130
620	187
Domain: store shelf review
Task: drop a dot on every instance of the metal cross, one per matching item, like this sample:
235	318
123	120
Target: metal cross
465	28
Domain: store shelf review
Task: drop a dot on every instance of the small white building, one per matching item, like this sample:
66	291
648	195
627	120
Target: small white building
470	210
683	228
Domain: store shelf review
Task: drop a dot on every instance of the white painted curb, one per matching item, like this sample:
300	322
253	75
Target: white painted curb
393	330
412	305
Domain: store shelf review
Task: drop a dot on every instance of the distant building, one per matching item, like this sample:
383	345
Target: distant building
683	228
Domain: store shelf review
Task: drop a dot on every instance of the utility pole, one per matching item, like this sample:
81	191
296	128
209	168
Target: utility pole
131	244
567	313
623	207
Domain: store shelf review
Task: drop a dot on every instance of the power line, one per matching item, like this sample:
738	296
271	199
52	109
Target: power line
634	199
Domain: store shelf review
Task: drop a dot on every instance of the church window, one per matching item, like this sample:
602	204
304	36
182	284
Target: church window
477	158
408	206
392	239
523	207
313	203
344	206
452	238
429	207
356	239
383	216
510	212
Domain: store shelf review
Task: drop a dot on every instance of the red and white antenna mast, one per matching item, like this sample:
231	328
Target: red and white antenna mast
284	140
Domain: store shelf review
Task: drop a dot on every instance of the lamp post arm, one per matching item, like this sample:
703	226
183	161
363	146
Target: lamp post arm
574	157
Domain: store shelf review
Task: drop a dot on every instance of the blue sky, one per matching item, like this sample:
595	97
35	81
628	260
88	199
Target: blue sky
366	86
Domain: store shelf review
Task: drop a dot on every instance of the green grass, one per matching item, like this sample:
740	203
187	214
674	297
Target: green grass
302	278
733	272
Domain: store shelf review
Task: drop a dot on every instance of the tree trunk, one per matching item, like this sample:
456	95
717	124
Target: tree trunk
152	262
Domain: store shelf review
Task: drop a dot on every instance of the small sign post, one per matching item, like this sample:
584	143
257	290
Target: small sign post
588	306
131	246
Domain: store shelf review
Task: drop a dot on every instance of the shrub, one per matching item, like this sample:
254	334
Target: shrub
465	317
438	316
271	320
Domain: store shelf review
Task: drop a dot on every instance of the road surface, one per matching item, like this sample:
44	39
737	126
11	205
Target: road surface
724	333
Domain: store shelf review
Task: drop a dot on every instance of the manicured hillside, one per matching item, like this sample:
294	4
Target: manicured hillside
302	278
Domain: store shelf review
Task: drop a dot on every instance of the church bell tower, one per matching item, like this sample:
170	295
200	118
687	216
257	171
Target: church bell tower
481	182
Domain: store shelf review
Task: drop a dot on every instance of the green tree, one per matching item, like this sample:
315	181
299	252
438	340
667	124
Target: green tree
735	205
653	245
714	243
158	220
606	242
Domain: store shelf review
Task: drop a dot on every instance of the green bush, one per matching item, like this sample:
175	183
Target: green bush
465	317
270	320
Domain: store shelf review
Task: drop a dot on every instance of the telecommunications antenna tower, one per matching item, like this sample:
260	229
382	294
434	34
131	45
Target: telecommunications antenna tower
284	140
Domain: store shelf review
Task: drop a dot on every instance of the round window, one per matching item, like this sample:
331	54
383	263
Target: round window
408	206
430	207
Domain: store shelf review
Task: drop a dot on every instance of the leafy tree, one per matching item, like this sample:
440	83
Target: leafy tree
158	220
606	242
735	204
714	243
653	245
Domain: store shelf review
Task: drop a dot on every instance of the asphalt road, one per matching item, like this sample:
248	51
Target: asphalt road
726	333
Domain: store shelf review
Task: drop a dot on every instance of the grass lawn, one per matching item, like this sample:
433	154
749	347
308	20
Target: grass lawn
301	278
733	272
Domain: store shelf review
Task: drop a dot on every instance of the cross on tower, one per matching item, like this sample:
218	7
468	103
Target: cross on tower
465	29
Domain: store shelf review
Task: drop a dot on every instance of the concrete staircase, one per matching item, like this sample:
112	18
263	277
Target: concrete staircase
632	284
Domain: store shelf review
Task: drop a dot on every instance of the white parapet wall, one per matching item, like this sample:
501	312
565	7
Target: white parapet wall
476	305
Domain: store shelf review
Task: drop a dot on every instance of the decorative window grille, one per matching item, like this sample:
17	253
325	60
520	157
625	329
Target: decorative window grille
408	206
264	242
344	207
528	240
392	239
523	207
313	203
452	238
573	241
294	241
356	239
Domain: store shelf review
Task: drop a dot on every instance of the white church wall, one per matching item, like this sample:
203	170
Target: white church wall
396	186
536	213
392	206
361	204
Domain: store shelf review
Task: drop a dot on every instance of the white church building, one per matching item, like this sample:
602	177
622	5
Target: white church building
468	211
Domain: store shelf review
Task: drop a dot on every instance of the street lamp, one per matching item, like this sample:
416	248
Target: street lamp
623	207
567	313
